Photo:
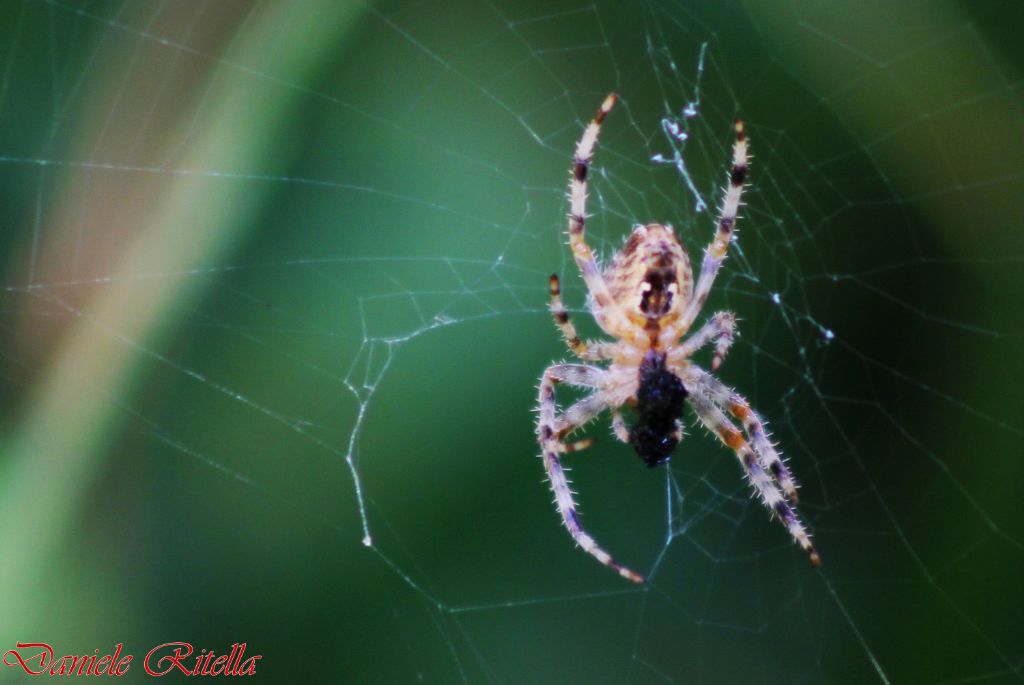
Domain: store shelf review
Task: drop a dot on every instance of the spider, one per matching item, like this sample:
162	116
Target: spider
646	298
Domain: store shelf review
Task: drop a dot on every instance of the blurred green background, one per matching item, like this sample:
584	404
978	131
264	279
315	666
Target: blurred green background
274	280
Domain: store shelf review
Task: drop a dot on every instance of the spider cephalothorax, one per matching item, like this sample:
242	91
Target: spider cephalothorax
659	406
646	298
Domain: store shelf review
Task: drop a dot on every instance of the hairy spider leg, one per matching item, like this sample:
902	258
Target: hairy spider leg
731	401
587	351
576	416
607	312
714	255
551	447
720	329
715	421
619	428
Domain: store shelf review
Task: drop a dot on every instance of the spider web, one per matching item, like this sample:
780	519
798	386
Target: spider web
275	307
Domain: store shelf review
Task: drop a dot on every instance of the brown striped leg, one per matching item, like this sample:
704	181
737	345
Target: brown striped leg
714	255
720	329
547	428
716	421
582	349
576	416
735	404
608	314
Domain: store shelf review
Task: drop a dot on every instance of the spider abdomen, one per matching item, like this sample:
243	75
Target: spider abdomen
659	405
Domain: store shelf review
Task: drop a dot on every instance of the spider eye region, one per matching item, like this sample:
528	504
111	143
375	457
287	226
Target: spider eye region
659	405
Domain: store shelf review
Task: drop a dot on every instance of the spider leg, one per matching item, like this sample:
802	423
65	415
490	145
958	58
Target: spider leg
714	255
550	451
619	428
720	329
731	401
607	312
583	350
576	416
715	420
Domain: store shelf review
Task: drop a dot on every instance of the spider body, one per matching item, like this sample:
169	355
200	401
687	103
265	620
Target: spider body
650	278
659	406
648	300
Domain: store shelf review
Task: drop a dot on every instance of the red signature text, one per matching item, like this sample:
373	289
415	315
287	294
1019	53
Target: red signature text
40	658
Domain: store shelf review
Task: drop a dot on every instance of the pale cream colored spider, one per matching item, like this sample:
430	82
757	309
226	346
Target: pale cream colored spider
647	300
